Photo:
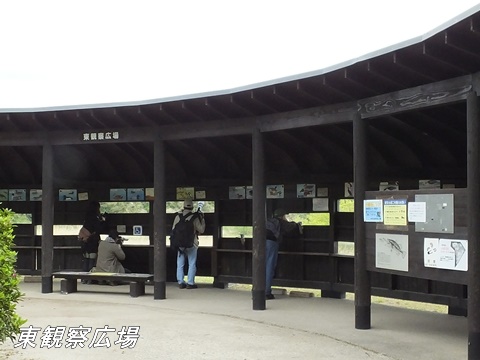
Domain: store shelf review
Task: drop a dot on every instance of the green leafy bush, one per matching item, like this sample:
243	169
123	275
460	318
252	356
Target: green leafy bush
10	294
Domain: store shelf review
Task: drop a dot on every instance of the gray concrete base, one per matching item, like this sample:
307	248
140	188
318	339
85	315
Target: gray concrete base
221	324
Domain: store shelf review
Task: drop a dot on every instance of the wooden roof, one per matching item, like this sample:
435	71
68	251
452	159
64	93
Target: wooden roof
413	98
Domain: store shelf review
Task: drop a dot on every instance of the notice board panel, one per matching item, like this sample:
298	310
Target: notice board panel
439	213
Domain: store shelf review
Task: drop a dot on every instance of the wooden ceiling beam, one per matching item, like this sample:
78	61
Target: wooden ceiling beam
304	92
239	106
434	94
440	93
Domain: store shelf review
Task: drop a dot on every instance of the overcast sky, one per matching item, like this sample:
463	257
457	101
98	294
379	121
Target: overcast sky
58	53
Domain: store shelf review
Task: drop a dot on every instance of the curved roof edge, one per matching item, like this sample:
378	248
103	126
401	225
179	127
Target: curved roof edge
397	46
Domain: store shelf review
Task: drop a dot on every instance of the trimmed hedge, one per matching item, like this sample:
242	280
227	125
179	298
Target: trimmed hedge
10	294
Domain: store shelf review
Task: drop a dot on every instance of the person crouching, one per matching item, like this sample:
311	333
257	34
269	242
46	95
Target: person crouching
110	254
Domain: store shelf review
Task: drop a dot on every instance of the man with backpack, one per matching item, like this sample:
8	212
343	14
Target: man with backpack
184	239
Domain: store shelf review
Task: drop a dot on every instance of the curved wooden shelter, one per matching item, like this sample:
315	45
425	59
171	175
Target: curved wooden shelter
429	76
402	115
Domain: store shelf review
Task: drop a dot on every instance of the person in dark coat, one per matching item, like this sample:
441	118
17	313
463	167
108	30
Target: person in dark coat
95	222
277	227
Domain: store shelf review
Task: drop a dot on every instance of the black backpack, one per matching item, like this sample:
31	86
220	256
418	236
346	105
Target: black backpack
183	234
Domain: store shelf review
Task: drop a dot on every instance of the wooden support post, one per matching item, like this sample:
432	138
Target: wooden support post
47	219
216	235
159	222
259	222
473	224
362	277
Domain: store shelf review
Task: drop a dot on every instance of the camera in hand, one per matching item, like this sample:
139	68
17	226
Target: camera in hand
120	240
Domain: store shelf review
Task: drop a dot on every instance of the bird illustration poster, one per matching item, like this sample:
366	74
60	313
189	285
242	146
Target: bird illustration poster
391	251
249	192
185	193
236	192
450	254
429	184
349	190
305	190
17	195
275	191
136	194
388	186
67	195
118	194
35	194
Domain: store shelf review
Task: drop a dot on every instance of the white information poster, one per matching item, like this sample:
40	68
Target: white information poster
200	194
417	212
149	194
391	251
322	192
430	252
320	204
450	254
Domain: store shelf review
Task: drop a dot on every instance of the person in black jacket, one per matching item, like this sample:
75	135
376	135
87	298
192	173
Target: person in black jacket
277	227
96	224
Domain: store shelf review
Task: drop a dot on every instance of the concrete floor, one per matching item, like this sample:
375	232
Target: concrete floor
209	323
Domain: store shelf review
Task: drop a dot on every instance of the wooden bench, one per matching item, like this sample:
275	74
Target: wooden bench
69	284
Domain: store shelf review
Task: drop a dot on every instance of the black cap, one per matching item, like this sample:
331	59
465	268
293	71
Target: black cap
279	212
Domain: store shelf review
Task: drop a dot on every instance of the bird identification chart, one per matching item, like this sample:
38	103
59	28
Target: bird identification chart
391	251
450	254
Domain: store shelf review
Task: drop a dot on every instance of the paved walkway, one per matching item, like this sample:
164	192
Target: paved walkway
209	323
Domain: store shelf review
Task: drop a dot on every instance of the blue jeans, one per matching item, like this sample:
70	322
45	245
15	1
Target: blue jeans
271	263
191	255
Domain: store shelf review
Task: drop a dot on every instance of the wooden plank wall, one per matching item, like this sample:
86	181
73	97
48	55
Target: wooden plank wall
311	261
